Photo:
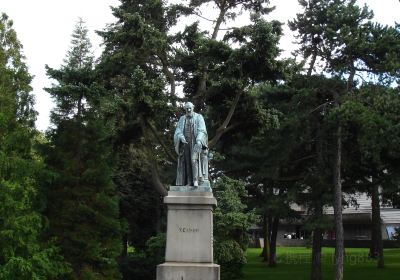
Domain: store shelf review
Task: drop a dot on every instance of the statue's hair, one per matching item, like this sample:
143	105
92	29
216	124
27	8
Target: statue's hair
188	105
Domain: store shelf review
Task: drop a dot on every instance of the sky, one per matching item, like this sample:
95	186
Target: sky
44	28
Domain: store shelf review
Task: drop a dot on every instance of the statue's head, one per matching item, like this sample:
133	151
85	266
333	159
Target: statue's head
189	108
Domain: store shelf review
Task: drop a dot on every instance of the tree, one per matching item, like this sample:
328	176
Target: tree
371	157
232	221
292	154
83	212
142	67
309	25
349	44
23	254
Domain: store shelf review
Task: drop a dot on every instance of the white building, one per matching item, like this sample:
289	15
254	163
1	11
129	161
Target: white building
357	221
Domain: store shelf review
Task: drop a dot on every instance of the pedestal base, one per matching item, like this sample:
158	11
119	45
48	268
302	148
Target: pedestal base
189	227
189	248
187	271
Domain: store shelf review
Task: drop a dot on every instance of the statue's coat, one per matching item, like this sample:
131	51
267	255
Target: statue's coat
200	134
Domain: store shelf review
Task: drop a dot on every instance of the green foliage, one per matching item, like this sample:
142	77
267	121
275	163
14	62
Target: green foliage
144	62
83	208
232	221
343	35
23	254
141	263
369	120
110	154
136	198
155	248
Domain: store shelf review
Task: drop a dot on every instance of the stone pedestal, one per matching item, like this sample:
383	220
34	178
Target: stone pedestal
189	249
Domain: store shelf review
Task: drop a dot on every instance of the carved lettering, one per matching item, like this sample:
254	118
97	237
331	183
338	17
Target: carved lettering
188	229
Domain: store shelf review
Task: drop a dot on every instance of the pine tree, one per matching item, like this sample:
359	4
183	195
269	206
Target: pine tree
144	65
83	206
343	36
23	253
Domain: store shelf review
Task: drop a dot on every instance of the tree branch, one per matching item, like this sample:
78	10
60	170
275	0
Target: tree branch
320	106
350	80
219	20
159	140
312	63
155	177
200	16
223	128
304	158
203	79
288	179
168	73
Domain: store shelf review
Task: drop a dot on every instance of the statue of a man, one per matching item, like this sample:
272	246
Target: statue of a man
191	145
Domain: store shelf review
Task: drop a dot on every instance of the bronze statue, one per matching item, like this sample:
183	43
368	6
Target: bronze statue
191	145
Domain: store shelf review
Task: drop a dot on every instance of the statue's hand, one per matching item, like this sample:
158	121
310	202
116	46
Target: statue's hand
197	148
183	140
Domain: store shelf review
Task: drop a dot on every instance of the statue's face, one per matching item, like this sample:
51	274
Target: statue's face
189	111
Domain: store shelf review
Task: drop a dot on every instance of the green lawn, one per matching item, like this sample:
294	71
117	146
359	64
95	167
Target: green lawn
294	263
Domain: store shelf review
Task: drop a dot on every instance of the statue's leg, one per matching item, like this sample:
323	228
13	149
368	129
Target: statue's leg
204	162
195	169
180	171
188	179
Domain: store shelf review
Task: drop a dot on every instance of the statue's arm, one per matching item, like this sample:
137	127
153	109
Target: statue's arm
178	136
202	132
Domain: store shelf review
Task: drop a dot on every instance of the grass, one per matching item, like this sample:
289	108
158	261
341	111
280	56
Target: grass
294	263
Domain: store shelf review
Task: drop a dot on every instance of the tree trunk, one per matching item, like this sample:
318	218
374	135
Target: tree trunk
337	205
203	78
312	63
267	239
263	229
372	249
265	251
350	80
274	235
316	271
219	21
376	227
124	252
159	219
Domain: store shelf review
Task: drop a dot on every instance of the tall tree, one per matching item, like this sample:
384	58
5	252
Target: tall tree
83	211
146	65
371	157
144	62
24	254
349	44
291	156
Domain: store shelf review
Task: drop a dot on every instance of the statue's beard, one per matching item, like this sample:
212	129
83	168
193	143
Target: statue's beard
189	114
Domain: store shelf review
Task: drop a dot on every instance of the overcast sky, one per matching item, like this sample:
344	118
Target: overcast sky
44	27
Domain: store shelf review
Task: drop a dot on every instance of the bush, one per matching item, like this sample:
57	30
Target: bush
231	225
141	264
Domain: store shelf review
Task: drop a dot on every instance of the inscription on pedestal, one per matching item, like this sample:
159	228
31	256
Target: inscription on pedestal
187	229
